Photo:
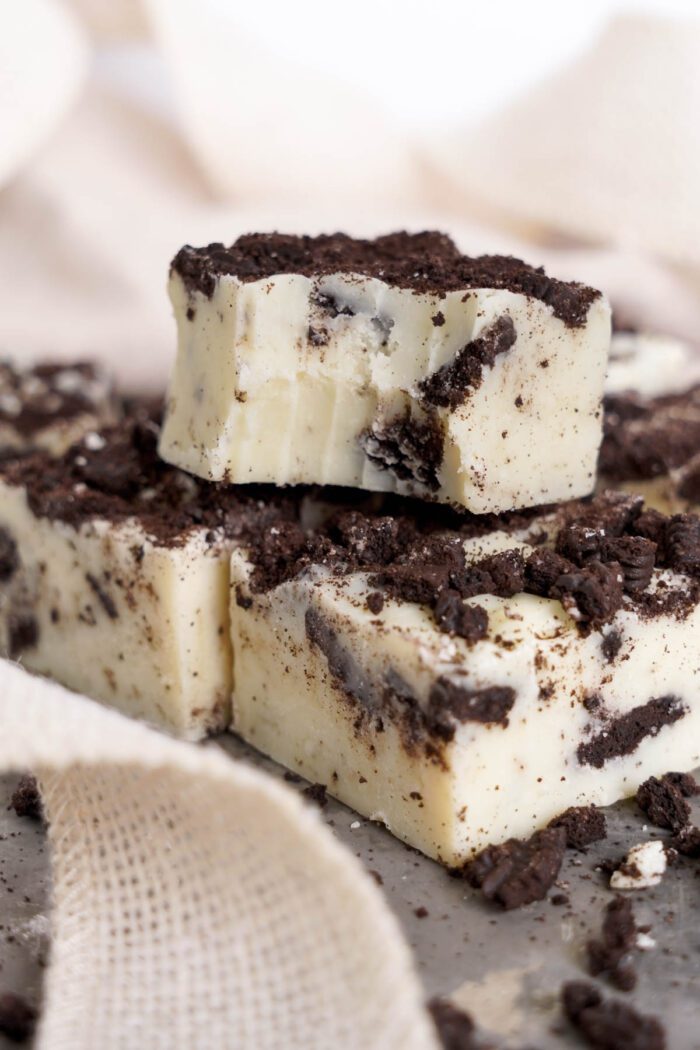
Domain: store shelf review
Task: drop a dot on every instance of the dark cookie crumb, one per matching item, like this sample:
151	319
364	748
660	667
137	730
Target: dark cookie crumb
664	800
243	600
582	824
409	448
22	633
450	702
592	595
9	558
316	793
17	1017
687	841
375	602
609	1024
103	596
683	544
610	954
453	616
455	1028
636	556
26	798
519	871
622	735
451	384
611	645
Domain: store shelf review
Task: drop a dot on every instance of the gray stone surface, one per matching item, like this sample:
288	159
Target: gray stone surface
505	967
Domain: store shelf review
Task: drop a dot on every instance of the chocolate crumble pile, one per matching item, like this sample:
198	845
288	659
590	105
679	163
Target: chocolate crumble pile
427	262
32	400
649	437
611	953
26	799
665	800
609	1024
117	474
665	803
604	554
583	825
519	871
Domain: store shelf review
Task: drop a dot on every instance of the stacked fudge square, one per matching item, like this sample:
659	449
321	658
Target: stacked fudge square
367	536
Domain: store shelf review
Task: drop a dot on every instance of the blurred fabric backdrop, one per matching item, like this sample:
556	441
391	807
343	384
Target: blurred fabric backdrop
566	133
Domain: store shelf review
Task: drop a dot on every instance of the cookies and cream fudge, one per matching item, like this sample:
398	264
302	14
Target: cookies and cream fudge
114	576
396	364
649	365
463	679
50	406
651	442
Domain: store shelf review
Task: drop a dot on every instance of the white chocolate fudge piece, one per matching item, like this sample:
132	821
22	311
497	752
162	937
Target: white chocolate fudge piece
650	365
394	365
463	685
651	442
50	406
114	578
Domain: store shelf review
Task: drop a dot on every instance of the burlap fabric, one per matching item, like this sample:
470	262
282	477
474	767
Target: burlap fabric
197	902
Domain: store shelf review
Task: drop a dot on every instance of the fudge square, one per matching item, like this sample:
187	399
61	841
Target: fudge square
114	576
465	680
651	442
50	405
396	364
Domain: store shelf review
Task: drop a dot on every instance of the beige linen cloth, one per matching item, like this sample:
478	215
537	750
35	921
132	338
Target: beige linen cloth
198	903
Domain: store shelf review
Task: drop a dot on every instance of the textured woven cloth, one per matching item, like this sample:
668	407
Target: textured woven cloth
197	902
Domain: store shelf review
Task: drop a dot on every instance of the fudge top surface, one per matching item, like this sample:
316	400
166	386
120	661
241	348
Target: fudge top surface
648	437
427	262
35	398
115	474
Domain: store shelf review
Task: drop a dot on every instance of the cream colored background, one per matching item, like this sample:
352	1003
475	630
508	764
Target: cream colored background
131	128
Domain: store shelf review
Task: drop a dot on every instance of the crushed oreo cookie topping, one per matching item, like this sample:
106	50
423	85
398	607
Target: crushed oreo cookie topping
427	262
122	477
